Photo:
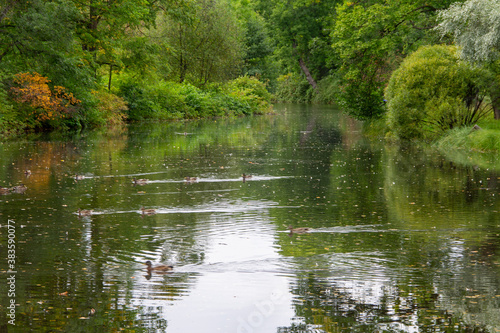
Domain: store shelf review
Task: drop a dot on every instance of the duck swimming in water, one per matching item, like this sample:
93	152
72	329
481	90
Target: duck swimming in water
190	179
19	189
85	212
298	230
245	177
159	268
148	211
140	181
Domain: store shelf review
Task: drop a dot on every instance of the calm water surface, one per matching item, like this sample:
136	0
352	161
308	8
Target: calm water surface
401	240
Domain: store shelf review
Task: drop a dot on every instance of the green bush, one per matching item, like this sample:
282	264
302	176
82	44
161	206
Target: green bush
168	100
431	92
327	90
248	95
293	88
111	107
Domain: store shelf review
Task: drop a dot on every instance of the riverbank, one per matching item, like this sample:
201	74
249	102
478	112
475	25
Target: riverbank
469	146
30	111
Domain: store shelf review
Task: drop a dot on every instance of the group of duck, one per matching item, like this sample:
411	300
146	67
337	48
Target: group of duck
150	211
141	181
136	181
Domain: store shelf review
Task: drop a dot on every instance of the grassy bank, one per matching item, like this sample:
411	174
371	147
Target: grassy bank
485	139
463	146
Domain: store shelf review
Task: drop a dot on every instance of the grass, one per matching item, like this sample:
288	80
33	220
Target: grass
487	139
473	147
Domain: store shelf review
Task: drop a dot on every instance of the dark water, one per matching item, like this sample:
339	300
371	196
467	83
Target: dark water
402	240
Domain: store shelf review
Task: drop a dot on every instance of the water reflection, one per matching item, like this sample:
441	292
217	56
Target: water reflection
400	240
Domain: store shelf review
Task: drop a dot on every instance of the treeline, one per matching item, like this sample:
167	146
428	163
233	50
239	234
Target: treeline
388	60
69	63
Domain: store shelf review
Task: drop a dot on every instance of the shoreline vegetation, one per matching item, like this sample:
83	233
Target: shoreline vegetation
419	75
37	107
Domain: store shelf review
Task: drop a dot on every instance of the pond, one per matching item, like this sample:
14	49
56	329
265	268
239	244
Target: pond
400	239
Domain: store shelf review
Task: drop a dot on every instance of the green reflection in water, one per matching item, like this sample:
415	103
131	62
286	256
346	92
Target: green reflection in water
402	240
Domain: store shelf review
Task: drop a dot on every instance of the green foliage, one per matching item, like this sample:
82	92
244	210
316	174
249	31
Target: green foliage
250	91
208	48
293	88
167	100
9	122
327	90
111	108
300	31
360	91
258	60
433	91
370	37
475	27
475	148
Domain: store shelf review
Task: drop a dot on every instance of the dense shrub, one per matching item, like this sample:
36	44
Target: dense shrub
293	88
432	91
248	94
40	104
9	122
111	108
168	100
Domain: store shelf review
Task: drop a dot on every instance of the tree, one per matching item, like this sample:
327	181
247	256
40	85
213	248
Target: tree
370	37
475	27
258	47
432	91
40	36
206	48
299	28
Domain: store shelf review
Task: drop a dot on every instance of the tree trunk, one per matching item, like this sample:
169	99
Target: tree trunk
495	103
304	68
110	74
308	75
495	99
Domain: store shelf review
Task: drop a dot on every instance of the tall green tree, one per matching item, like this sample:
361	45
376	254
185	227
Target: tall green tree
40	36
299	28
371	36
475	27
206	48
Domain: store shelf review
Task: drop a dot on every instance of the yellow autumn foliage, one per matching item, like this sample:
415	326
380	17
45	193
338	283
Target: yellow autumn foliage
33	90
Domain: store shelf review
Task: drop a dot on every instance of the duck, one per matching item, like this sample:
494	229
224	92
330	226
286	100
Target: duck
159	268
79	177
298	230
85	212
149	211
245	176
190	179
140	181
4	190
27	173
19	189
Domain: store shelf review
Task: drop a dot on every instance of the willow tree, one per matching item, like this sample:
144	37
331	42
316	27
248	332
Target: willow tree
475	28
207	47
